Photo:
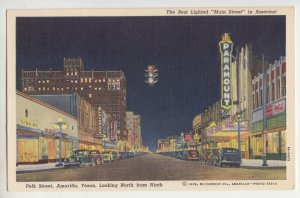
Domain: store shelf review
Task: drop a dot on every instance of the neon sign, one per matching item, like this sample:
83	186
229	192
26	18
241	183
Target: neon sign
226	46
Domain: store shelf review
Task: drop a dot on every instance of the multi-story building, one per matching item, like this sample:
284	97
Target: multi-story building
275	113
106	89
133	126
37	134
92	125
220	130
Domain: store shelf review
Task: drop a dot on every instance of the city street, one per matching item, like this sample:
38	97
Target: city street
153	167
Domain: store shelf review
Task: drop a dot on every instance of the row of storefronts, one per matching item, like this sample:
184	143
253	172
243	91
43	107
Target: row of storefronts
36	134
38	137
219	124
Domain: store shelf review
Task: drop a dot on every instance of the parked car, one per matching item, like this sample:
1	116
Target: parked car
80	158
228	157
107	156
97	156
192	155
116	155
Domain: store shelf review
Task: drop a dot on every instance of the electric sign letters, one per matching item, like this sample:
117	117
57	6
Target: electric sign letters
226	50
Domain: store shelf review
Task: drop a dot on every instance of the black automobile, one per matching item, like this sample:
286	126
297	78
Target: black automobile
228	157
80	158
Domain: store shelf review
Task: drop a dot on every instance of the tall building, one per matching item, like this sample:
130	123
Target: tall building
105	89
133	126
275	112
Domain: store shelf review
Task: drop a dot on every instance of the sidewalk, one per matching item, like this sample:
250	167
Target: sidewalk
36	167
257	163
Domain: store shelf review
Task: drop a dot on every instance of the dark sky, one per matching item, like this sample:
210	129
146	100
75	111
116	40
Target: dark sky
184	49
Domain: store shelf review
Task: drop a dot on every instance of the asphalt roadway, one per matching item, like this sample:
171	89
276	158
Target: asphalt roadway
153	167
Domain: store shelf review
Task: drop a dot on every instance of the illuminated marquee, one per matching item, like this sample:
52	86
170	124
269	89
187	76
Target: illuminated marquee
226	50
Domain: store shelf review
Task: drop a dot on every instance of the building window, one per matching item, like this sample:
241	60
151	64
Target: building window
75	81
85	80
53	88
71	81
71	73
25	89
103	79
75	88
99	88
81	88
96	88
76	73
62	88
68	87
273	91
90	80
39	89
99	80
278	89
48	88
67	73
38	81
47	81
90	86
43	81
261	97
81	80
43	88
284	85
96	81
90	95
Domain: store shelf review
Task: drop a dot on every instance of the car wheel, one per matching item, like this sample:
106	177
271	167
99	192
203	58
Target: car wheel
81	164
98	161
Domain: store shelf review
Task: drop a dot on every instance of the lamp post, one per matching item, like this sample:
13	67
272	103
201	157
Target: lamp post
264	155
196	137
60	124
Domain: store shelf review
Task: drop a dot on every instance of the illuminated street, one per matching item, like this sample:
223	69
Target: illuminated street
153	167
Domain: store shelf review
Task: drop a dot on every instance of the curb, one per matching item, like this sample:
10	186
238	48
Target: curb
263	167
39	170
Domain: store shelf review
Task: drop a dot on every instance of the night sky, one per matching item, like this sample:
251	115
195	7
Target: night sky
184	49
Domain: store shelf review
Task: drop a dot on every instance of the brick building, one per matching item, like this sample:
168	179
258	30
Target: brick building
106	89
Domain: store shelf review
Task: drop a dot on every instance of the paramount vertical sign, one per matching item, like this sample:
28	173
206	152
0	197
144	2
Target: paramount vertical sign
226	50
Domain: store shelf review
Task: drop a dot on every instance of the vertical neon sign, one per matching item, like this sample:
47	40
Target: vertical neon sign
226	46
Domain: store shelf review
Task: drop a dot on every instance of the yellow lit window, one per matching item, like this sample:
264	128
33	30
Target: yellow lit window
81	80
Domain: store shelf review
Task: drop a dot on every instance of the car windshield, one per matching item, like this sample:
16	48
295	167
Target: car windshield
230	150
79	152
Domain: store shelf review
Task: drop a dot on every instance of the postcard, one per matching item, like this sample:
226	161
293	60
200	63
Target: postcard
151	99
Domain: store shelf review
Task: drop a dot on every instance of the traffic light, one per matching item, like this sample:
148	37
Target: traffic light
151	75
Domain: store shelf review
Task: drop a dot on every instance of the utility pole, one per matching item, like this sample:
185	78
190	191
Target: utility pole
264	155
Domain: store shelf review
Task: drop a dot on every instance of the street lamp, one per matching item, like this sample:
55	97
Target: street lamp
196	137
264	156
60	124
